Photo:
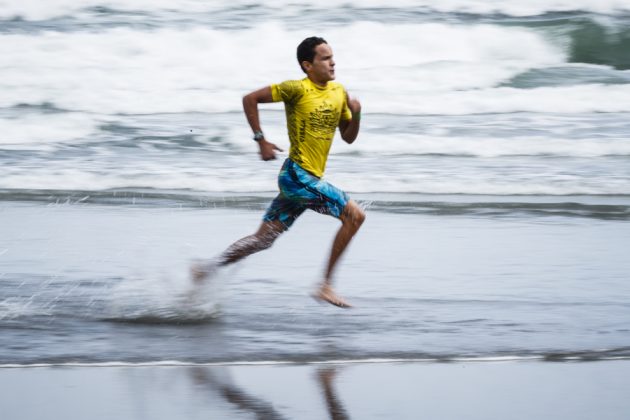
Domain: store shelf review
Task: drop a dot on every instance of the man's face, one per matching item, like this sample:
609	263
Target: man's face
322	69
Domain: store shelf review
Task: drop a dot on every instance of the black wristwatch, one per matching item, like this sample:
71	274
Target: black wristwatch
258	136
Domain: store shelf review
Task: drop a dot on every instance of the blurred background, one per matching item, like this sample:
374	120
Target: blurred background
493	162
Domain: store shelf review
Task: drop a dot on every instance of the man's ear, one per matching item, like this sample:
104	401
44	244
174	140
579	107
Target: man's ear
307	65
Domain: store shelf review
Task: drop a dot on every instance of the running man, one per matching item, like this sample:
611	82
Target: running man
315	106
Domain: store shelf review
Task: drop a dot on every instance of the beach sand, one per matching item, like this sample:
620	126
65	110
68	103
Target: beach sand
366	390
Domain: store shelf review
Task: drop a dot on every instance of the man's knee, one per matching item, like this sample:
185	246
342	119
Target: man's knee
353	215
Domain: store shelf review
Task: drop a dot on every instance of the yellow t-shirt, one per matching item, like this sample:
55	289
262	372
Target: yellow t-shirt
313	114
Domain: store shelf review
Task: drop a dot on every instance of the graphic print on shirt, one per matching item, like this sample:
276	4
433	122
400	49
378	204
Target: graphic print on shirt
324	120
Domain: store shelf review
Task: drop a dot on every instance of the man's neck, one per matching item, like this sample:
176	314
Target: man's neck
318	83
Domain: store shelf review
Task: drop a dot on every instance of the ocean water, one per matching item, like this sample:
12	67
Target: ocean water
493	163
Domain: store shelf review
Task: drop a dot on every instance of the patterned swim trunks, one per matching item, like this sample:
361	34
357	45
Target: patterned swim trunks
300	190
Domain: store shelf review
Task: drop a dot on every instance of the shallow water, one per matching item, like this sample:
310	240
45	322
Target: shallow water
110	283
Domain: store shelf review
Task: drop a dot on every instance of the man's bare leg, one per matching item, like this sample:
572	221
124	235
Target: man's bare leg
352	218
264	237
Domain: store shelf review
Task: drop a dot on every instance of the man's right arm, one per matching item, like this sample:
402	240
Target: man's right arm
250	106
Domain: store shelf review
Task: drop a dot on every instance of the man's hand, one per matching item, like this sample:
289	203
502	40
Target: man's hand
350	128
353	104
268	150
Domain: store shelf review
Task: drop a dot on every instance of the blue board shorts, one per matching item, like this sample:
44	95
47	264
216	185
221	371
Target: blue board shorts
301	190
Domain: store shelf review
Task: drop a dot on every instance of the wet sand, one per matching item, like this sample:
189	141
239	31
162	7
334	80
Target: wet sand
410	390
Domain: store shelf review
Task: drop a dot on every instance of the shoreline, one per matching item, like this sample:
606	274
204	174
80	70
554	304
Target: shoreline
545	358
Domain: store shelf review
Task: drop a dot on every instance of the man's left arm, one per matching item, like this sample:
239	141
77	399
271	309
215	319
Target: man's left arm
349	129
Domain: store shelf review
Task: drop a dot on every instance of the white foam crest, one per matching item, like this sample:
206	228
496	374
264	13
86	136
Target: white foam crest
564	99
42	131
445	182
486	147
38	10
441	56
413	179
127	71
200	69
87	176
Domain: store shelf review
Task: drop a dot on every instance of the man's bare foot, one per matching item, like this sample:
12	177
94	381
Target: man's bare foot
327	294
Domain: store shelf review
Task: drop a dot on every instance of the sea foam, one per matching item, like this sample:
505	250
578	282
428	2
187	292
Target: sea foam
130	71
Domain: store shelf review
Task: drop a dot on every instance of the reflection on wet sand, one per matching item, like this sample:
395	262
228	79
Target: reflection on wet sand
326	377
369	391
223	386
235	395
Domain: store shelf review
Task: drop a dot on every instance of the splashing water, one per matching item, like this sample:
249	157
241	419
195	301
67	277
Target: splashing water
165	298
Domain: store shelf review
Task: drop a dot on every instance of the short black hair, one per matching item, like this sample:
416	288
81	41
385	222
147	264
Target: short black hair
306	49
